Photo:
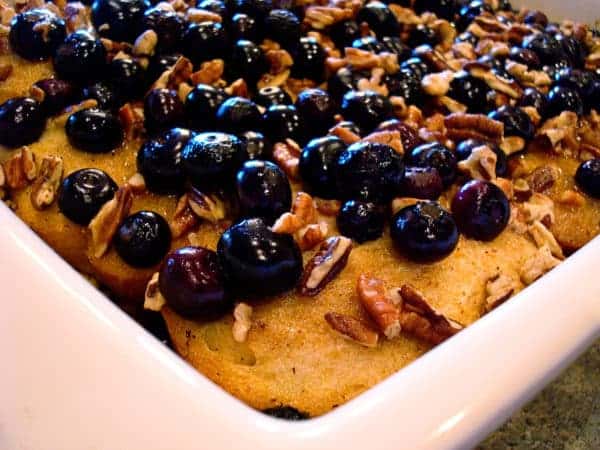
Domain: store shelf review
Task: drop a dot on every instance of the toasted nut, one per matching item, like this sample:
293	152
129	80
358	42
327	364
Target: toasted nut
437	84
145	43
533	114
532	78
559	134
499	289
321	17
344	134
45	187
571	198
512	144
325	265
543	237
304	212
66	113
279	60
375	83
197	15
510	88
311	235
288	158
238	88
104	226
473	126
480	165
137	183
539	207
464	50
405	16
77	16
288	223
132	118
354	329
391	138
402	202
153	299
328	207
184	219
209	73
506	185
20	169
452	105
374	298
543	178
421	320
207	207
539	264
361	59
242	322
522	190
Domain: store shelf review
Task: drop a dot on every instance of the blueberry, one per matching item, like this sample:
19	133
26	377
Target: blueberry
394	44
119	20
532	97
263	190
104	93
368	44
128	76
587	177
468	13
422	182
516	122
366	108
406	84
272	95
563	99
58	94
210	159
424	232
257	146
344	33
318	165
467	37
379	18
216	6
168	26
574	79
283	26
162	110
143	239
247	62
434	154
481	210
470	91
80	58
283	121
238	114
408	135
344	80
574	50
159	161
309	60
36	34
536	17
465	148
422	34
361	221
317	109
83	193
257	262
444	9
201	106
525	56
94	130
369	171
243	26
258	9
191	281
159	64
204	41
286	413
22	122
416	66
547	48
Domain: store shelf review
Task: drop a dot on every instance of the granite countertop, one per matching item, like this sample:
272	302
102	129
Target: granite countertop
565	415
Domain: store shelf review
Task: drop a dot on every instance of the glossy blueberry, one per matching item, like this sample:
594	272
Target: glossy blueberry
256	145
317	109
282	26
468	13
158	64
575	79
344	33
424	232
416	66
547	48
162	110
81	58
444	9
394	44
574	49
238	114
563	99
83	193
201	106
470	91
216	6
168	26
369	171
481	210
422	182
516	121
272	95
361	221
587	177
367	109
159	161
128	76
434	154
379	18
204	41
247	62
369	44
104	93
344	80
192	283
318	165
143	239
465	148
283	121
58	94
257	262
210	159
422	34
525	56
467	37
94	130
409	136
309	60
22	121
119	20
243	26
406	84
258	9
263	190
532	97
286	413
35	34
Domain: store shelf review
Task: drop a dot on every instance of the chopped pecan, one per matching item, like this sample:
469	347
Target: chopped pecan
104	226
77	16
375	83
506	185
531	78
559	134
481	164
380	307
303	213
287	156
311	235
45	186
522	190
325	265
437	84
153	299
452	105
209	73
183	219
405	16
137	183
510	88
421	320
179	73
145	43
242	322
197	15
321	17
71	109
279	60
473	126
512	144
268	80
571	198
344	134
432	58
498	289
20	169
464	50
354	329
207	207
538	207
543	178
391	138
238	88
328	207
533	114
132	118
542	262
544	237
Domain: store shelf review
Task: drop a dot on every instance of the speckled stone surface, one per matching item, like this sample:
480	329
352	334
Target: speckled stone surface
566	415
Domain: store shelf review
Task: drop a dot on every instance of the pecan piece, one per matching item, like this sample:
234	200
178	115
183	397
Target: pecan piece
473	126
183	219
571	198
321	17
328	207
209	73
538	207
437	84
498	289
391	138
354	329
544	237
45	187
145	43
132	118
196	15
481	164
311	235
344	134
287	156
539	264
153	299
104	226
20	169
325	265
242	322
207	207
543	178
380	307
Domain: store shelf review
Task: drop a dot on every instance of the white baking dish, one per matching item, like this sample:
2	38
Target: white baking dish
77	373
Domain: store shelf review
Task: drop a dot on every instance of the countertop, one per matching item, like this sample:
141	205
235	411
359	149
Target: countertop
565	415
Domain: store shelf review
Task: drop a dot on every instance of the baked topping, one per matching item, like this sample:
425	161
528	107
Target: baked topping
323	267
353	329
